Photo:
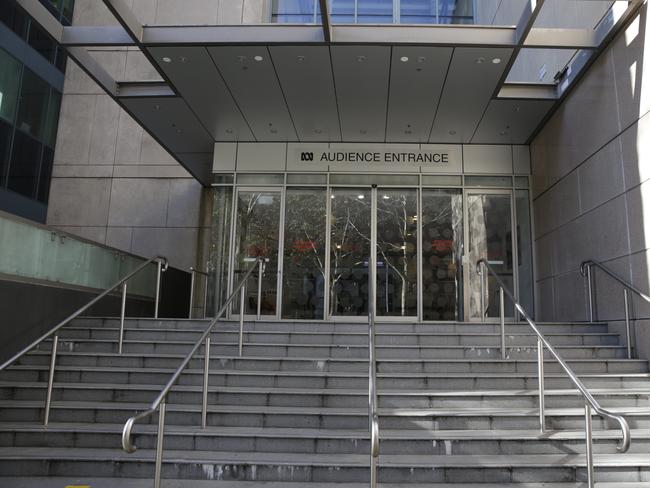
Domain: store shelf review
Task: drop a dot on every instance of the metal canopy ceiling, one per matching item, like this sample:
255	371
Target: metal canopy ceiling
331	83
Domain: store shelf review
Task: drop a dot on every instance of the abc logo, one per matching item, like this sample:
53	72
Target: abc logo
307	156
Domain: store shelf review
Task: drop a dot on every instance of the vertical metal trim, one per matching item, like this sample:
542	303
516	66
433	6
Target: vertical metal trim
589	446
628	335
160	444
540	385
242	312
192	280
328	250
420	247
158	277
372	259
590	293
502	319
280	275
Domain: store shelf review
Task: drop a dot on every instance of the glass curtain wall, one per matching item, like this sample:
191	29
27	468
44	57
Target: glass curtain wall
303	275
350	220
442	249
376	11
397	253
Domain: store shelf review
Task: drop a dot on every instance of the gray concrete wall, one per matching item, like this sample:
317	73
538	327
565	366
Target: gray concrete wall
591	186
112	182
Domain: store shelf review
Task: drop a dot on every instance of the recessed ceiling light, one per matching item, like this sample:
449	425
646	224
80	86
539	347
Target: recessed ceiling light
452	132
179	131
167	59
480	60
300	58
258	58
404	59
361	59
496	60
157	107
386	197
502	133
361	197
421	59
182	59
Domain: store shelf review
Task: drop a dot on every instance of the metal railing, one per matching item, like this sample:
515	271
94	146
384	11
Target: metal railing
585	269
162	265
372	383
194	272
159	404
542	342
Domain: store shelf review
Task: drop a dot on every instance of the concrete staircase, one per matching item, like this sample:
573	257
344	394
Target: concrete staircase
293	410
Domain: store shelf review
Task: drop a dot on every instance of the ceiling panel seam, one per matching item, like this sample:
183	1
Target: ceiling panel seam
390	76
442	90
336	95
231	95
284	97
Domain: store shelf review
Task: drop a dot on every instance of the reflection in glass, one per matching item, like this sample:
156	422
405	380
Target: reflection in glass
32	109
490	235
524	252
303	285
10	69
397	263
349	251
257	228
218	266
442	231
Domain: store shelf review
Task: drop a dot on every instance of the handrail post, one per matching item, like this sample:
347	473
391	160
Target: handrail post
158	276
242	296
259	289
590	293
122	314
50	380
482	299
192	280
628	335
589	446
206	378
502	313
159	444
540	385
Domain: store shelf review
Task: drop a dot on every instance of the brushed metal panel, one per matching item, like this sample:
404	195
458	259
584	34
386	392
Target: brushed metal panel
361	77
195	76
471	80
510	121
416	79
305	74
256	89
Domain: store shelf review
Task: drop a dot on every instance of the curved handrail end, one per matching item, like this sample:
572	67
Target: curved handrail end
126	436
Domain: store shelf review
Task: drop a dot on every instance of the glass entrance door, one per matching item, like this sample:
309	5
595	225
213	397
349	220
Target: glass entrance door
257	230
489	235
379	221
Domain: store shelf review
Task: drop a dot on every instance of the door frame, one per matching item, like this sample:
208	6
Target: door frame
234	311
469	268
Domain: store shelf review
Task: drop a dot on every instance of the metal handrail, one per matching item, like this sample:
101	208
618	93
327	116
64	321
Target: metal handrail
54	331
372	384
590	401
159	402
585	270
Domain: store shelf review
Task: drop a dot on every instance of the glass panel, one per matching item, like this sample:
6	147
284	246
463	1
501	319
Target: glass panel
455	11
524	252
218	264
52	120
45	175
257	234
374	11
33	104
9	83
369	179
6	131
442	180
307	179
304	254
442	244
223	179
418	11
14	18
490	235
41	42
260	179
68	8
349	251
489	181
397	262
25	162
31	251
293	11
343	11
